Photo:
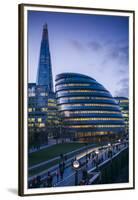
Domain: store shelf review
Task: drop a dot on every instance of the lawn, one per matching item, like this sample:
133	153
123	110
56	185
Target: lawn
43	167
53	151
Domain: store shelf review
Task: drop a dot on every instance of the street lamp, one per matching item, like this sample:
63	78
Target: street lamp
119	140
97	153
109	144
76	166
109	150
119	145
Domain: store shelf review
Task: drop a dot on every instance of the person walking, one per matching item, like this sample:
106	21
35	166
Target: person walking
57	174
61	169
49	180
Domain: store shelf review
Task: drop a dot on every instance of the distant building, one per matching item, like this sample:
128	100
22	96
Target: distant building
88	111
42	112
37	114
124	106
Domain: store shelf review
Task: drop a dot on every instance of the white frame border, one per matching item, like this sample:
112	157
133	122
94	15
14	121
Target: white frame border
131	55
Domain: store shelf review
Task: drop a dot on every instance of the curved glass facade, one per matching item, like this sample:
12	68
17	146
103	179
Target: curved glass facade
88	110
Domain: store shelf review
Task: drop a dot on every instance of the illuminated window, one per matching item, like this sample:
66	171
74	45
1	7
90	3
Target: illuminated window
89	98
39	120
30	125
74	84
44	109
31	119
51	104
29	109
94	126
123	101
43	94
83	91
93	118
68	113
82	134
88	104
41	125
31	94
51	100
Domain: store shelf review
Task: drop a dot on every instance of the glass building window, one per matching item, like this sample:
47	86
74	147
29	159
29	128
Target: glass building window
94	126
39	119
93	118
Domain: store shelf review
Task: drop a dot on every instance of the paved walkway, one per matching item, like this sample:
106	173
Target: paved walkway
69	174
103	157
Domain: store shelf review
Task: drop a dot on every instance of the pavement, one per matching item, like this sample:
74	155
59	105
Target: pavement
101	157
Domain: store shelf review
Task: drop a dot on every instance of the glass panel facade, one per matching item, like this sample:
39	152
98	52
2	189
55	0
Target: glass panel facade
84	104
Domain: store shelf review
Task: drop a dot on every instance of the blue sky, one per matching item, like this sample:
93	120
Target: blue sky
93	45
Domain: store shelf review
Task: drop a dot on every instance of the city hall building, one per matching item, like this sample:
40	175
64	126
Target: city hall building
88	110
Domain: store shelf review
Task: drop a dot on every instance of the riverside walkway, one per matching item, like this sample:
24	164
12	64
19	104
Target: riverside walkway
90	159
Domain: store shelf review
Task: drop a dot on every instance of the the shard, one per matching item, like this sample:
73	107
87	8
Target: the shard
44	74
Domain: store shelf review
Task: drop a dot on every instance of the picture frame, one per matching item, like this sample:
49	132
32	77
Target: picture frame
37	167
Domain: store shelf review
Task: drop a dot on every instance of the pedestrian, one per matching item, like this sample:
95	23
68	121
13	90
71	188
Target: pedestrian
61	169
49	180
61	173
65	157
94	161
38	180
63	165
84	174
87	162
57	174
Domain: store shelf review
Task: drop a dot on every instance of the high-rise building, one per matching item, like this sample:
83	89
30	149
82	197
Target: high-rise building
41	98
44	74
88	110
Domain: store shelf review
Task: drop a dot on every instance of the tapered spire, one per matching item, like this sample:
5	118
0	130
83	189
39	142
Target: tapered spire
44	75
45	32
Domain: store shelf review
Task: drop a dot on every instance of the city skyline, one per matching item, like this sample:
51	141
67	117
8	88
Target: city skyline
100	51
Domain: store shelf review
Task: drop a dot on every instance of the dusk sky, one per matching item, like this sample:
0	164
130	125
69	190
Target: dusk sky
94	45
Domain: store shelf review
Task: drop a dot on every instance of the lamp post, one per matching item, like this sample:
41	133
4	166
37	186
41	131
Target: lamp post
76	166
119	145
109	144
110	150
97	160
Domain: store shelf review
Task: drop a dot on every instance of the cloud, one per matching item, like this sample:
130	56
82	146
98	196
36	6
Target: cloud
123	92
123	84
116	51
95	46
91	45
120	54
77	45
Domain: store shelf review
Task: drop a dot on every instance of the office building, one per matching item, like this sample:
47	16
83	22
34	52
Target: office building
88	110
124	106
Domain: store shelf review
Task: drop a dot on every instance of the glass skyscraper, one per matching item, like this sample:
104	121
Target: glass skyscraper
44	75
42	112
